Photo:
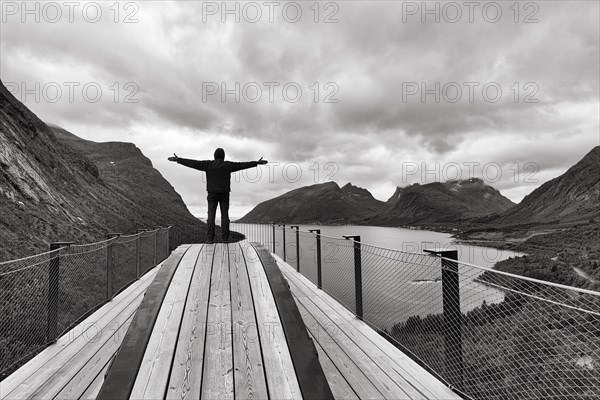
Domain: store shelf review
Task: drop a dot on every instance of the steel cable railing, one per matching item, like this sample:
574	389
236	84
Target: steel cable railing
44	296
488	334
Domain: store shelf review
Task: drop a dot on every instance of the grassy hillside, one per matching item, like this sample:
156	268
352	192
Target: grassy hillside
526	347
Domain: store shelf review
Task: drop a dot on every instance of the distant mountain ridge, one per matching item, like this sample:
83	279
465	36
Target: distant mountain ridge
60	189
441	202
417	204
319	203
571	197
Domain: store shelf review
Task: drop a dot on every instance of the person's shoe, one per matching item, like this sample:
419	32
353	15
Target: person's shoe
210	241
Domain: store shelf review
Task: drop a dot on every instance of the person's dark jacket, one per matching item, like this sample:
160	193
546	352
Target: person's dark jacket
218	172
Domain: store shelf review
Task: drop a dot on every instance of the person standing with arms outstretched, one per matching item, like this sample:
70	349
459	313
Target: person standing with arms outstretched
218	186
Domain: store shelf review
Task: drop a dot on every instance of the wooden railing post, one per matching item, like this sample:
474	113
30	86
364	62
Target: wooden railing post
297	228
110	267
157	229
452	315
140	250
137	256
168	244
53	289
283	229
357	274
273	238
317	232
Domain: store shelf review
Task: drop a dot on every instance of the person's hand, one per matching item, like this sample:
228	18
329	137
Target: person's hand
173	158
261	161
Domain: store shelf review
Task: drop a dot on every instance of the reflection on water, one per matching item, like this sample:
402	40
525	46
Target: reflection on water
395	286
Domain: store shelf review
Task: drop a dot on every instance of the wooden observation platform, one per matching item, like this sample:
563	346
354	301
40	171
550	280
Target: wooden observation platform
222	321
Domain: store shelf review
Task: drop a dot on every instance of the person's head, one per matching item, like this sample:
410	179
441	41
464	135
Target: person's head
219	153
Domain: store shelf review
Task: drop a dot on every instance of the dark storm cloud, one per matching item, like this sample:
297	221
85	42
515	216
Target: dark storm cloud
370	55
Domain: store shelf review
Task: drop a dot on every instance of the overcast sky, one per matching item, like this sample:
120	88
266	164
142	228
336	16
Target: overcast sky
342	90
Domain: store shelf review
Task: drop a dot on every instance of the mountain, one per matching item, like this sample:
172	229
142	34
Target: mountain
571	197
56	186
125	169
320	203
437	202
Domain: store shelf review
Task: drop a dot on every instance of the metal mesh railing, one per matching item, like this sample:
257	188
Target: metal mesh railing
147	247
486	333
43	296
23	307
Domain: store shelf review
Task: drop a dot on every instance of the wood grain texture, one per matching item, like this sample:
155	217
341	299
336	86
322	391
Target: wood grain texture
186	375
73	339
52	368
79	383
360	350
152	378
340	388
249	372
353	373
391	360
91	392
217	377
281	376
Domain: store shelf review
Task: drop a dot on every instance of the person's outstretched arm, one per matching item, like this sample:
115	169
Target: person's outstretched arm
195	164
238	166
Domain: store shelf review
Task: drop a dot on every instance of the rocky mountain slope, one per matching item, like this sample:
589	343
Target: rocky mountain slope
571	197
65	188
320	203
437	202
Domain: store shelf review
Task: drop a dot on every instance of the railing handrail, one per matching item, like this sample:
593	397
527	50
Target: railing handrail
538	281
526	278
80	245
95	243
29	257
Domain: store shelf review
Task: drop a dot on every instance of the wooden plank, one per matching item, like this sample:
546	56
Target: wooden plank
73	339
152	378
312	380
353	374
98	363
361	353
121	375
217	377
52	371
249	372
94	388
279	369
186	374
340	387
387	355
80	360
391	358
400	364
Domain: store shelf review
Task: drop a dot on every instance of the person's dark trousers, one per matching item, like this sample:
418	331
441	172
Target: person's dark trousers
221	200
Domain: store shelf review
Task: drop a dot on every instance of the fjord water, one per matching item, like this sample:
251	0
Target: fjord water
393	290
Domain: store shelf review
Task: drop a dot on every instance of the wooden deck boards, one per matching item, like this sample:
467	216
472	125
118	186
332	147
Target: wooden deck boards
151	381
185	380
72	364
218	334
347	341
217	377
279	369
250	381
